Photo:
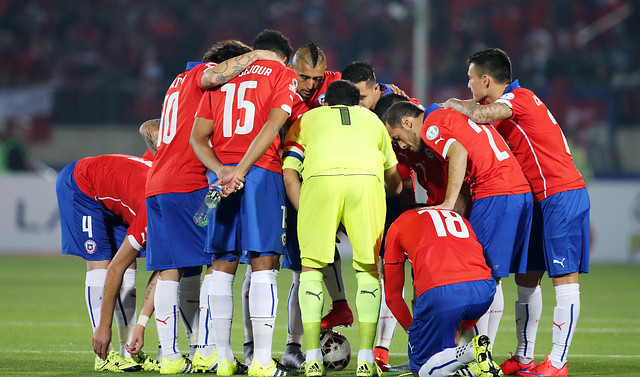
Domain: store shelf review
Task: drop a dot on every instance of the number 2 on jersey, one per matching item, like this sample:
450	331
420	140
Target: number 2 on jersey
500	155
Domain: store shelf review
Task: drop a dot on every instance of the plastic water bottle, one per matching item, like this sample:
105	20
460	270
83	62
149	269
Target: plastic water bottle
210	202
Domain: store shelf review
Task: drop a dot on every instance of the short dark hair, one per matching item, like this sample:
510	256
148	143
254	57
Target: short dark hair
493	62
385	102
275	41
342	92
393	116
225	50
359	71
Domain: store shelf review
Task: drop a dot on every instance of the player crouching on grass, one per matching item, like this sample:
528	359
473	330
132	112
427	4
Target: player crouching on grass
102	211
453	284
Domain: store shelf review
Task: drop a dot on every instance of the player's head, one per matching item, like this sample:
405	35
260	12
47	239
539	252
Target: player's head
386	101
275	41
342	92
487	67
225	50
309	63
404	121
363	76
149	131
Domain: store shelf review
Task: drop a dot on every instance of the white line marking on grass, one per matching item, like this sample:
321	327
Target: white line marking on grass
589	330
44	324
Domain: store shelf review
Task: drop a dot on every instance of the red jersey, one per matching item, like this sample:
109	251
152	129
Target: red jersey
430	172
538	144
176	167
442	249
241	108
491	168
301	106
117	181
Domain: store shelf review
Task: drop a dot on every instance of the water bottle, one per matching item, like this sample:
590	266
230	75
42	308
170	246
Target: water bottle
210	202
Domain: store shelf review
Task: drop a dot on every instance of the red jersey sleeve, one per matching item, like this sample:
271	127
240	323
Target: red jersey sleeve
394	258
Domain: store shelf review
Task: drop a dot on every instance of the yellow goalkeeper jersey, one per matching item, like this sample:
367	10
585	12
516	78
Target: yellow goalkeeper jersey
330	137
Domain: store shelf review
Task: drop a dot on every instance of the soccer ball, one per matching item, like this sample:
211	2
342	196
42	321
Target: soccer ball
336	350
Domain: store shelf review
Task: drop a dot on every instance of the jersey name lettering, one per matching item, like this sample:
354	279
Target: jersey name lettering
257	69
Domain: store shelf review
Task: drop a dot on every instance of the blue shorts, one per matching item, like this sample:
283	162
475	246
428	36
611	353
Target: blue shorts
560	234
174	240
291	257
251	219
503	226
88	229
438	312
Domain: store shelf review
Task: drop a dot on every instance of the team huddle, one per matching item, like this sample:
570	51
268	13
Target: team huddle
299	154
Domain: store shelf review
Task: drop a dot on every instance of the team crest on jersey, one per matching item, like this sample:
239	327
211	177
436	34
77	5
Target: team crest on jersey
90	246
321	99
508	96
294	85
432	132
283	238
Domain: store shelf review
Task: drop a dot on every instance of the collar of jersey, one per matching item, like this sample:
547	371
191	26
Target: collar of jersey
514	85
190	65
433	107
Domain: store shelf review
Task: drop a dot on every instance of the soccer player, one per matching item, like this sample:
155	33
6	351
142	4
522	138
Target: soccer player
343	182
102	211
310	65
560	230
175	188
242	121
125	256
502	204
363	76
453	284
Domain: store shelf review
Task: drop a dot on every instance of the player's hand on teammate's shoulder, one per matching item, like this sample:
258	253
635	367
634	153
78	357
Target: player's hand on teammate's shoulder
268	55
394	88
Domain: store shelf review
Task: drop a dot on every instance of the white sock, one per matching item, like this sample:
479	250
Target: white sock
495	313
221	309
446	362
294	328
125	310
332	274
366	355
189	295
565	318
246	318
93	287
528	312
386	322
263	306
482	326
166	313
206	343
314	354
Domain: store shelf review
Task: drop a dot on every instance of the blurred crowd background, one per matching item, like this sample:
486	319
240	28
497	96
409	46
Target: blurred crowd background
91	63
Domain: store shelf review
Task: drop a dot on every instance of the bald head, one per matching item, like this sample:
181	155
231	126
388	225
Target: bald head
309	63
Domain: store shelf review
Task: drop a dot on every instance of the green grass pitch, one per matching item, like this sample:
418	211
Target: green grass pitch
45	331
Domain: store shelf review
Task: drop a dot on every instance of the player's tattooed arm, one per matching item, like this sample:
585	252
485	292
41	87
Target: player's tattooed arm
149	132
230	68
480	113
